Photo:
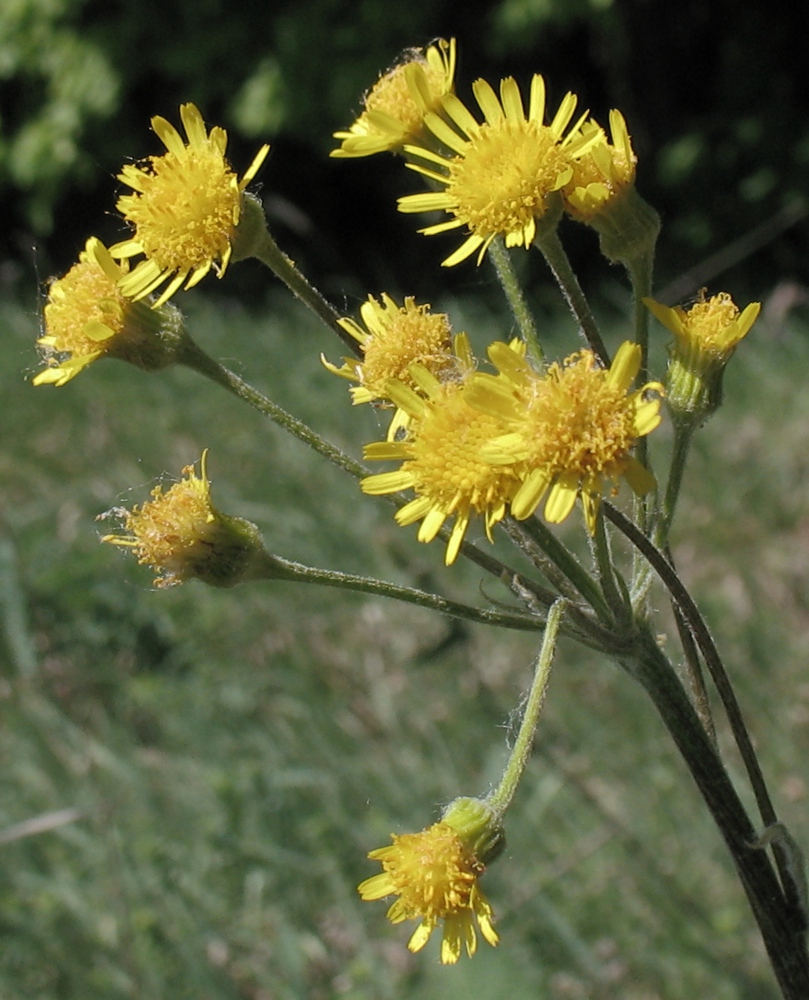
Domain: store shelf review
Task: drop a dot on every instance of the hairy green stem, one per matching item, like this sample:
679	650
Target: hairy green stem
640	270
683	432
606	571
284	569
693	671
567	564
271	255
195	358
640	275
780	921
503	265
501	797
704	639
551	246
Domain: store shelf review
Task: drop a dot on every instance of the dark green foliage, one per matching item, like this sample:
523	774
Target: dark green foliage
715	96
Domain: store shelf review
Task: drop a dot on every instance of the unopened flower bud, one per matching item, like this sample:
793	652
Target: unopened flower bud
706	335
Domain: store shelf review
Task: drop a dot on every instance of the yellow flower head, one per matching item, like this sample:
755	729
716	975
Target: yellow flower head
182	536
393	338
88	317
397	103
440	456
571	428
601	193
706	335
499	175
185	210
711	325
435	875
603	173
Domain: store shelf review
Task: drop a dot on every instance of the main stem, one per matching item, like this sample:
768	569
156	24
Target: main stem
781	931
716	667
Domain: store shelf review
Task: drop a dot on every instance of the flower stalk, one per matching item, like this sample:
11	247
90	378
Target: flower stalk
195	358
265	249
554	253
515	296
500	799
276	568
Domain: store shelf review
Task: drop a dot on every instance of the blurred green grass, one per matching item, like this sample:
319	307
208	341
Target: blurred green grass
234	755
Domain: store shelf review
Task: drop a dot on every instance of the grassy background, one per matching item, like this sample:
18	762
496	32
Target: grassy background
232	756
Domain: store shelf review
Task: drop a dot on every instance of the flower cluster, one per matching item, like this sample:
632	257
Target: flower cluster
511	175
483	444
526	435
190	214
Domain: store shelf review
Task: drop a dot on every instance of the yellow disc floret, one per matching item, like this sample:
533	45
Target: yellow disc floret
181	535
712	324
571	428
392	338
84	312
87	317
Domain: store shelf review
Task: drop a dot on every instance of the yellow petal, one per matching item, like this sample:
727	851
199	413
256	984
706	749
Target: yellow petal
561	500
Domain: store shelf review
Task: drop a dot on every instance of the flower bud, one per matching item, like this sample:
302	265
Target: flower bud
706	335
